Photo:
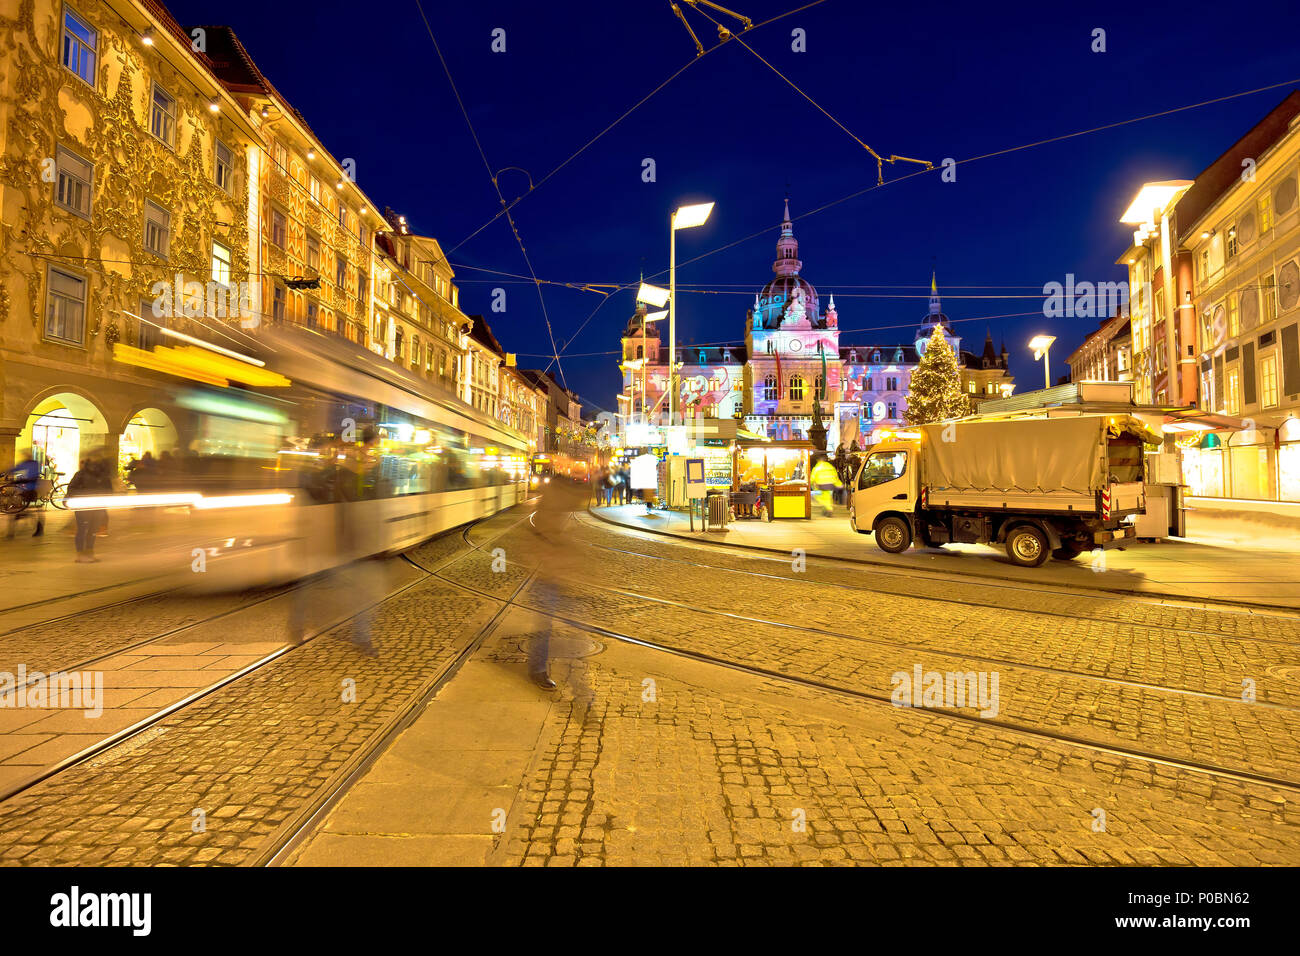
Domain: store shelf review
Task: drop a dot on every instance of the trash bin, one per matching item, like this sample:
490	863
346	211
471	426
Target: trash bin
718	507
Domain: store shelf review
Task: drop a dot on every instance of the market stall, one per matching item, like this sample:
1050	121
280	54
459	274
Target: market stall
771	478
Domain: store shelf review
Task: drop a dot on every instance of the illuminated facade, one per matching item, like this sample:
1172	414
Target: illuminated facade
792	357
125	172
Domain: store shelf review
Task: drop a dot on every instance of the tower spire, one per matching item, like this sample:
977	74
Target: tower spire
935	308
787	247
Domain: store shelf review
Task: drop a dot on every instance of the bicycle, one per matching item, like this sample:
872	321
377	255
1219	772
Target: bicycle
14	498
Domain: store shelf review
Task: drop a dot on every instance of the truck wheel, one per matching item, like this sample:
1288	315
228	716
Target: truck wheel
1027	546
893	535
1067	552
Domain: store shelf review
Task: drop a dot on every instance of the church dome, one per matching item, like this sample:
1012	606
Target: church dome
786	285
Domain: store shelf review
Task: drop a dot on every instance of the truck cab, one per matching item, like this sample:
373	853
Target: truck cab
887	484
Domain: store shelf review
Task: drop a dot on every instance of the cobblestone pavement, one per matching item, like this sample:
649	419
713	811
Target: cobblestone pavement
214	782
646	757
649	757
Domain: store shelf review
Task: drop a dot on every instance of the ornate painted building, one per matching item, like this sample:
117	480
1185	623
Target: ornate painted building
791	360
124	163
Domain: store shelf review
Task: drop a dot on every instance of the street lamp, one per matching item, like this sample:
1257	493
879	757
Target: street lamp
645	355
685	217
1040	344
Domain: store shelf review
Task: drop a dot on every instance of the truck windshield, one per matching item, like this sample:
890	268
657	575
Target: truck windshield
881	467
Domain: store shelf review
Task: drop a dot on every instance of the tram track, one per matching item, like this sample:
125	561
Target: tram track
1111	749
990	605
123	736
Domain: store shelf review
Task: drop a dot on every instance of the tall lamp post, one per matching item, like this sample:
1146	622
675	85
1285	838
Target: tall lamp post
656	296
685	217
1040	344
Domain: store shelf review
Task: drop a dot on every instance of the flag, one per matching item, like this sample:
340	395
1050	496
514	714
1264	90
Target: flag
780	386
825	381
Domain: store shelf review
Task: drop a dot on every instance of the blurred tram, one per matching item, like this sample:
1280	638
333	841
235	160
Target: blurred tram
351	457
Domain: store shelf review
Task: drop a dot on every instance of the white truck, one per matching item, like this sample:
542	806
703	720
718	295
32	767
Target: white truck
1039	486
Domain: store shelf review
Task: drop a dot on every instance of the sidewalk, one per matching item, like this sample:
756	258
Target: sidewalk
1221	559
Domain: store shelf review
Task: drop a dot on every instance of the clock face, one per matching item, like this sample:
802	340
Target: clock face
796	345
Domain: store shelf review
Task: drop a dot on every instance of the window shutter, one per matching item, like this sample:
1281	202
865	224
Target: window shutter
1248	373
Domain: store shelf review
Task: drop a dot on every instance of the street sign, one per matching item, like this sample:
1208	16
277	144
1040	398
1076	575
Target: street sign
695	487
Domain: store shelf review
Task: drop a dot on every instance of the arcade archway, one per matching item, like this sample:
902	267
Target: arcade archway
60	429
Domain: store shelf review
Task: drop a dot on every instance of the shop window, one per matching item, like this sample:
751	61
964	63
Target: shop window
162	116
80	41
65	307
75	182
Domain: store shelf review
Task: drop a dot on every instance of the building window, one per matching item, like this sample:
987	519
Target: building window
853	356
79	44
1232	242
225	166
970	387
796	388
1232	391
1265	207
281	156
65	307
76	179
220	263
157	228
1268	380
277	303
162	116
415	352
891	384
442	363
819	388
1205	264
312	310
1270	298
769	388
279	228
315	189
148	336
340	272
397	344
1234	316
362	288
892	409
875	356
313	253
343	215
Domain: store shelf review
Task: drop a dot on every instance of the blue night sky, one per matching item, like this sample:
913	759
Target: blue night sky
923	80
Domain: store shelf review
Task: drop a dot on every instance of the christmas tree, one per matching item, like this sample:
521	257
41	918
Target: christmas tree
935	393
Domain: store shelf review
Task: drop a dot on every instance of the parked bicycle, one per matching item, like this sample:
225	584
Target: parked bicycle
15	498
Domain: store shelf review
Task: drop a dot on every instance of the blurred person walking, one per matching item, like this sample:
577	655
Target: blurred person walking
560	499
92	478
824	479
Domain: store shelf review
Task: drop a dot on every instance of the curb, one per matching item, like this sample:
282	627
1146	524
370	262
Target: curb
1127	592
